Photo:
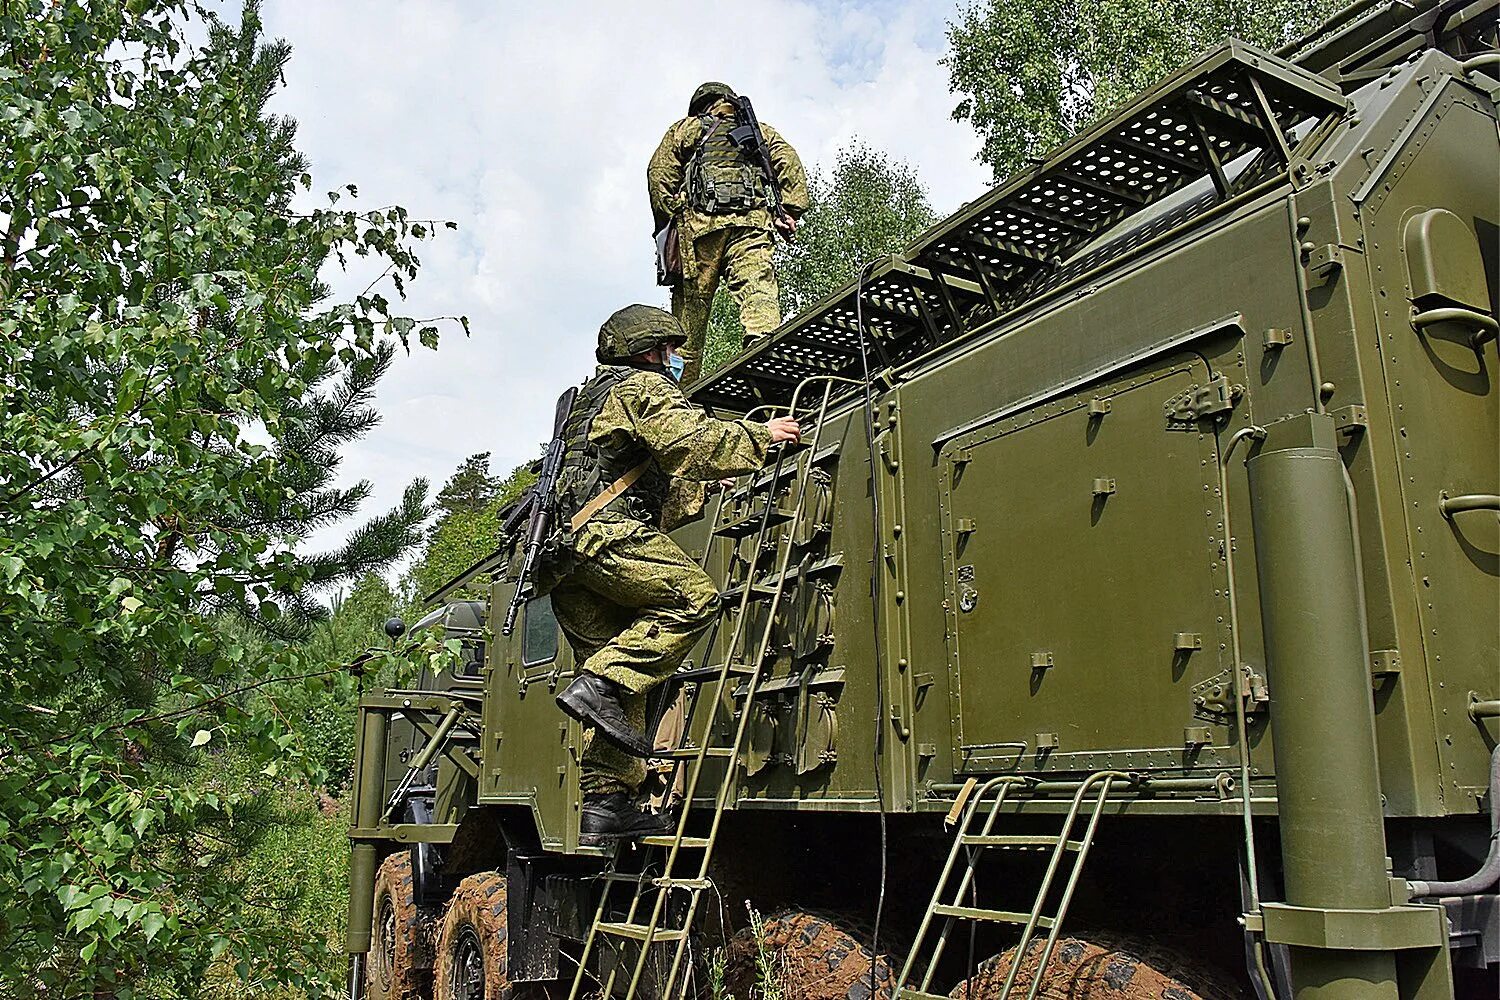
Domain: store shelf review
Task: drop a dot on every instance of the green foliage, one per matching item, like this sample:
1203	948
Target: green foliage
869	206
322	715
174	390
770	964
1031	75
297	867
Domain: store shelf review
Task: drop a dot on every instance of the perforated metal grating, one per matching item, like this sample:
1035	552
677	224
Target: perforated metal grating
1227	123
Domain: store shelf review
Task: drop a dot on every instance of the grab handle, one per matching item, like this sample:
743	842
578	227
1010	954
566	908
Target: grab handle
1485	326
1472	501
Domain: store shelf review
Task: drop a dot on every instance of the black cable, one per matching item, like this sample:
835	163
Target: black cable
875	573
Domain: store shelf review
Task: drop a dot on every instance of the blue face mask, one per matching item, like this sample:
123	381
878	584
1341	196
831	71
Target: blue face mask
675	365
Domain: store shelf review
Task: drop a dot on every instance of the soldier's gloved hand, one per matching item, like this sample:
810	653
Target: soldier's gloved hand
784	429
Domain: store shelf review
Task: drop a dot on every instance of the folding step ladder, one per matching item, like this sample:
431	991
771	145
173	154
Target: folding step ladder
1089	798
671	917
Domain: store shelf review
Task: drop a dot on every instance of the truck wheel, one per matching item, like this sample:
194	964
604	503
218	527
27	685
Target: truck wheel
400	963
1101	969
471	947
817	954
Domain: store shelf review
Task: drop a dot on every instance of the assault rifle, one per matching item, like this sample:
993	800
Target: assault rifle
752	141
541	509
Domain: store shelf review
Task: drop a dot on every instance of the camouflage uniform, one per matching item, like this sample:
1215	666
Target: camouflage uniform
631	603
733	244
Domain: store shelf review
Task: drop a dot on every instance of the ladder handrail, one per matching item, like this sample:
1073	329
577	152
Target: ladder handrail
695	763
694	772
1091	794
752	684
1005	783
1107	777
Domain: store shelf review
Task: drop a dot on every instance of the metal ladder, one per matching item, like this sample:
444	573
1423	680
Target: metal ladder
656	890
1090	797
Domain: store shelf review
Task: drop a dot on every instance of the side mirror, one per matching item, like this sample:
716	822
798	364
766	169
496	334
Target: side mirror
395	628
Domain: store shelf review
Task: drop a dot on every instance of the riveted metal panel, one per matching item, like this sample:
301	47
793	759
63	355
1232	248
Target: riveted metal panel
1445	415
1068	604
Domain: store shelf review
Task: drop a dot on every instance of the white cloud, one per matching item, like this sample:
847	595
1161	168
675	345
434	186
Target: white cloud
530	126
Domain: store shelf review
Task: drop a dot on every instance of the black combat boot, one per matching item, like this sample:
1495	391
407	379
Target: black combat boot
596	702
615	816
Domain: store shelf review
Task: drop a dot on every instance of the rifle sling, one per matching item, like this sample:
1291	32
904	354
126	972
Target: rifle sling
614	489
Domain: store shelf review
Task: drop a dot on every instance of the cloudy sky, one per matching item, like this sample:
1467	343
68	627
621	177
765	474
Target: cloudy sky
530	125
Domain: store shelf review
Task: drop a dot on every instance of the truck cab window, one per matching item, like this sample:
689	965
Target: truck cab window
539	638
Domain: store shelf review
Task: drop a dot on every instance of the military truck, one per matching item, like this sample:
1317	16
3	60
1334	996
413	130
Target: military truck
1125	623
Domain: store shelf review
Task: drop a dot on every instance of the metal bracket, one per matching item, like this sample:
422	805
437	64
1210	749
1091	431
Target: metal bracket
1197	736
1385	663
1324	262
1399	927
1351	420
1200	401
1277	338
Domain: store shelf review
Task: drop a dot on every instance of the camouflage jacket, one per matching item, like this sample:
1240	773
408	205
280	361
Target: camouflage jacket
687	444
666	176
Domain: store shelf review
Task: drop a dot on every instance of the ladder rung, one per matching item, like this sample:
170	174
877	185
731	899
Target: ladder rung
995	916
635	878
667	840
712	673
641	932
683	883
690	753
750	523
907	993
1015	840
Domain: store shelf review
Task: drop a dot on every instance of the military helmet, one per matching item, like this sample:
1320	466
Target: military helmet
702	96
635	330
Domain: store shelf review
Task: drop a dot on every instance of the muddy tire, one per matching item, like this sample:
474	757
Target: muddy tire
470	958
818	957
400	963
1100	969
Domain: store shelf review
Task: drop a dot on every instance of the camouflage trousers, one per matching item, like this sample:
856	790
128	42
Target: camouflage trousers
741	256
632	605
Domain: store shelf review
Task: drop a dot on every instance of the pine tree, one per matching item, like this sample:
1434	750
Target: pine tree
335	406
471	488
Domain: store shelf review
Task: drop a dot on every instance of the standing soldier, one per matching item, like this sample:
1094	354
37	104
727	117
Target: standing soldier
709	178
631	603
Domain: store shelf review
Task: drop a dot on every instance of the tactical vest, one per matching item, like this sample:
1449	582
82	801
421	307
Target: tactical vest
721	178
588	468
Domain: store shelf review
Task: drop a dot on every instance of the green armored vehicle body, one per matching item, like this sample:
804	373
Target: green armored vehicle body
1130	604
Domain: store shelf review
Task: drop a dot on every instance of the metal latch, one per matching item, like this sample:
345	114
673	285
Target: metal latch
1213	699
1199	401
